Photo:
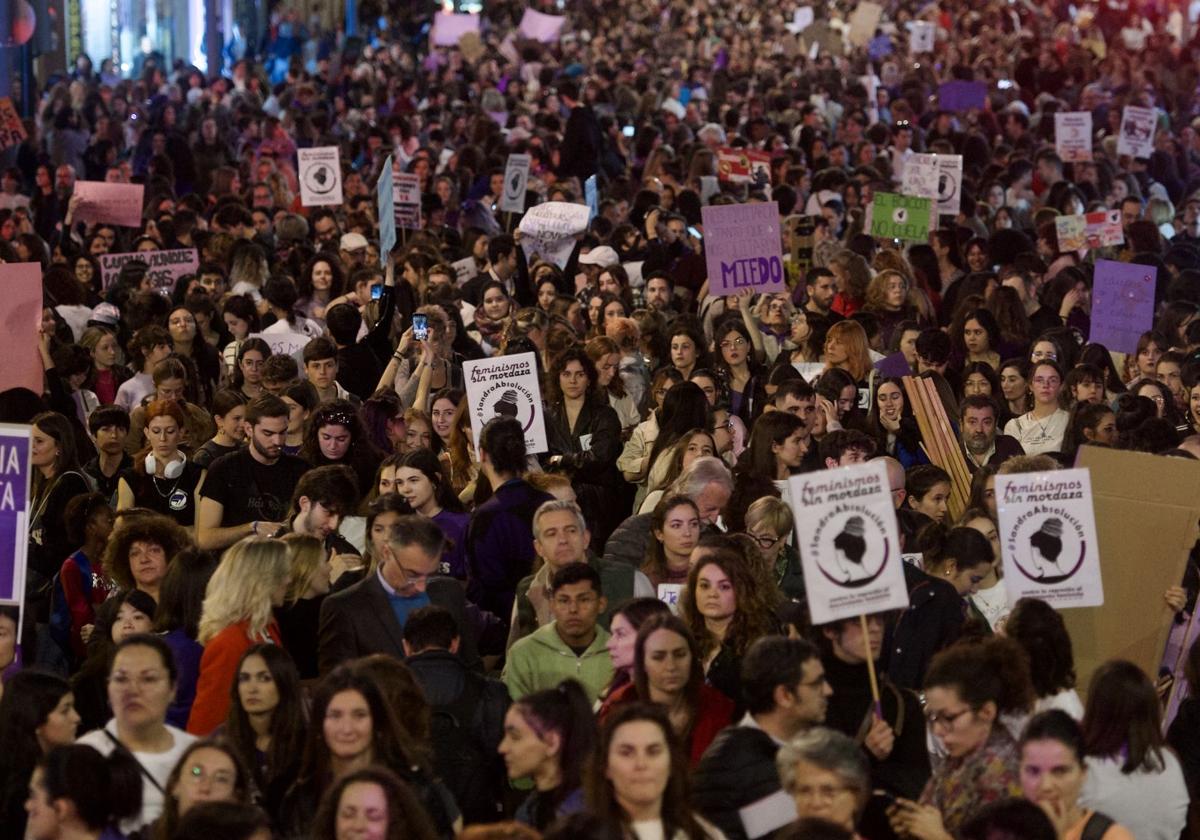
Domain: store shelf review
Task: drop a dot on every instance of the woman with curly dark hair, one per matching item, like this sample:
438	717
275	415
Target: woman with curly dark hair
584	436
372	790
322	280
726	610
335	435
140	548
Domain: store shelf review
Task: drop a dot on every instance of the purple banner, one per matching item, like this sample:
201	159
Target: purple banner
14	510
1122	304
962	96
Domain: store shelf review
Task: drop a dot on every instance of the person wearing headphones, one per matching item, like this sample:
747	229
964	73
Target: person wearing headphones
162	478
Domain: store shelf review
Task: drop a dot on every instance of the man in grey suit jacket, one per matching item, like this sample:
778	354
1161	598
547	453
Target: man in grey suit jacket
369	616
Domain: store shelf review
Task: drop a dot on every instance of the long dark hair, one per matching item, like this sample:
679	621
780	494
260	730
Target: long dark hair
769	429
102	789
676	815
1039	629
641	682
29	698
58	427
427	463
1123	715
287	722
684	408
390	746
566	711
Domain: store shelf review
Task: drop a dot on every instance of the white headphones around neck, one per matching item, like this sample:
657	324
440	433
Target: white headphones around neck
172	470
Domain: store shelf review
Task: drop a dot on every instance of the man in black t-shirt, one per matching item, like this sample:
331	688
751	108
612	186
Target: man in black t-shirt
248	492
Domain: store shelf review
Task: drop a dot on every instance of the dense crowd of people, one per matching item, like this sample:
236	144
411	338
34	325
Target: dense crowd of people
279	586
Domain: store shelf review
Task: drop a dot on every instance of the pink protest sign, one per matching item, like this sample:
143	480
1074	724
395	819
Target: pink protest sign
448	28
118	204
541	27
1122	304
20	314
743	249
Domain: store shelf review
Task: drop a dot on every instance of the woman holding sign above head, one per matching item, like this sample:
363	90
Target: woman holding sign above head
1042	429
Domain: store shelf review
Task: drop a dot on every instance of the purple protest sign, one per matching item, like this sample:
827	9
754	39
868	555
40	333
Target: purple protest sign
742	248
894	365
1122	304
14	511
448	28
962	96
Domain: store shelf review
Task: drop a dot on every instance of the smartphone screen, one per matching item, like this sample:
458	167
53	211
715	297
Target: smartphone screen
627	131
420	327
695	234
376	292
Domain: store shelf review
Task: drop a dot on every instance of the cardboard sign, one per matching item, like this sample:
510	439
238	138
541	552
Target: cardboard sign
1048	538
385	200
12	130
1122	304
15	471
935	176
744	166
1146	509
117	204
1089	230
802	18
286	344
921	37
471	46
20	315
541	27
448	28
406	193
901	217
863	22
516	183
848	541
962	96
166	267
464	270
1073	135
320	176
1137	131
507	386
591	197
549	230
743	248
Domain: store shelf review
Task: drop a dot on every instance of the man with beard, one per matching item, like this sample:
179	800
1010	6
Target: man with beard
980	443
246	493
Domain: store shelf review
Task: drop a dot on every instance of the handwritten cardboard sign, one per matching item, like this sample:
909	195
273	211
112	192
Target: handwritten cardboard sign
117	204
166	267
743	248
549	230
1122	304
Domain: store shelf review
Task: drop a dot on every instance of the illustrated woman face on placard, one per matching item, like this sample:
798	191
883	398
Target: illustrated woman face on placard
1046	548
849	549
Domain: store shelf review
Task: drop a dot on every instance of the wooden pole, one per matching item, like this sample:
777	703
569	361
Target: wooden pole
870	657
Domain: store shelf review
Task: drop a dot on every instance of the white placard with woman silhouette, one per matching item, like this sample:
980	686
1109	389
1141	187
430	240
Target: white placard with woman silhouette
1048	538
849	544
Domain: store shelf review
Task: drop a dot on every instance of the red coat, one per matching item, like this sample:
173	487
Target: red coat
714	714
218	672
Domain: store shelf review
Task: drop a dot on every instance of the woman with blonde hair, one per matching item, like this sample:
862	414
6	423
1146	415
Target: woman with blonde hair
299	616
250	581
846	348
769	522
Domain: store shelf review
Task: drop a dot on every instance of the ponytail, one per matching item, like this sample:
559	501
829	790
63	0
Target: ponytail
566	711
103	790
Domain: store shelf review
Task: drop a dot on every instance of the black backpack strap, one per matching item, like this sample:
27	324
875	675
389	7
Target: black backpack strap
1096	826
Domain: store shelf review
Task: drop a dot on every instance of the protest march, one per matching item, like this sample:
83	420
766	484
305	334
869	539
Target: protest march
633	421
